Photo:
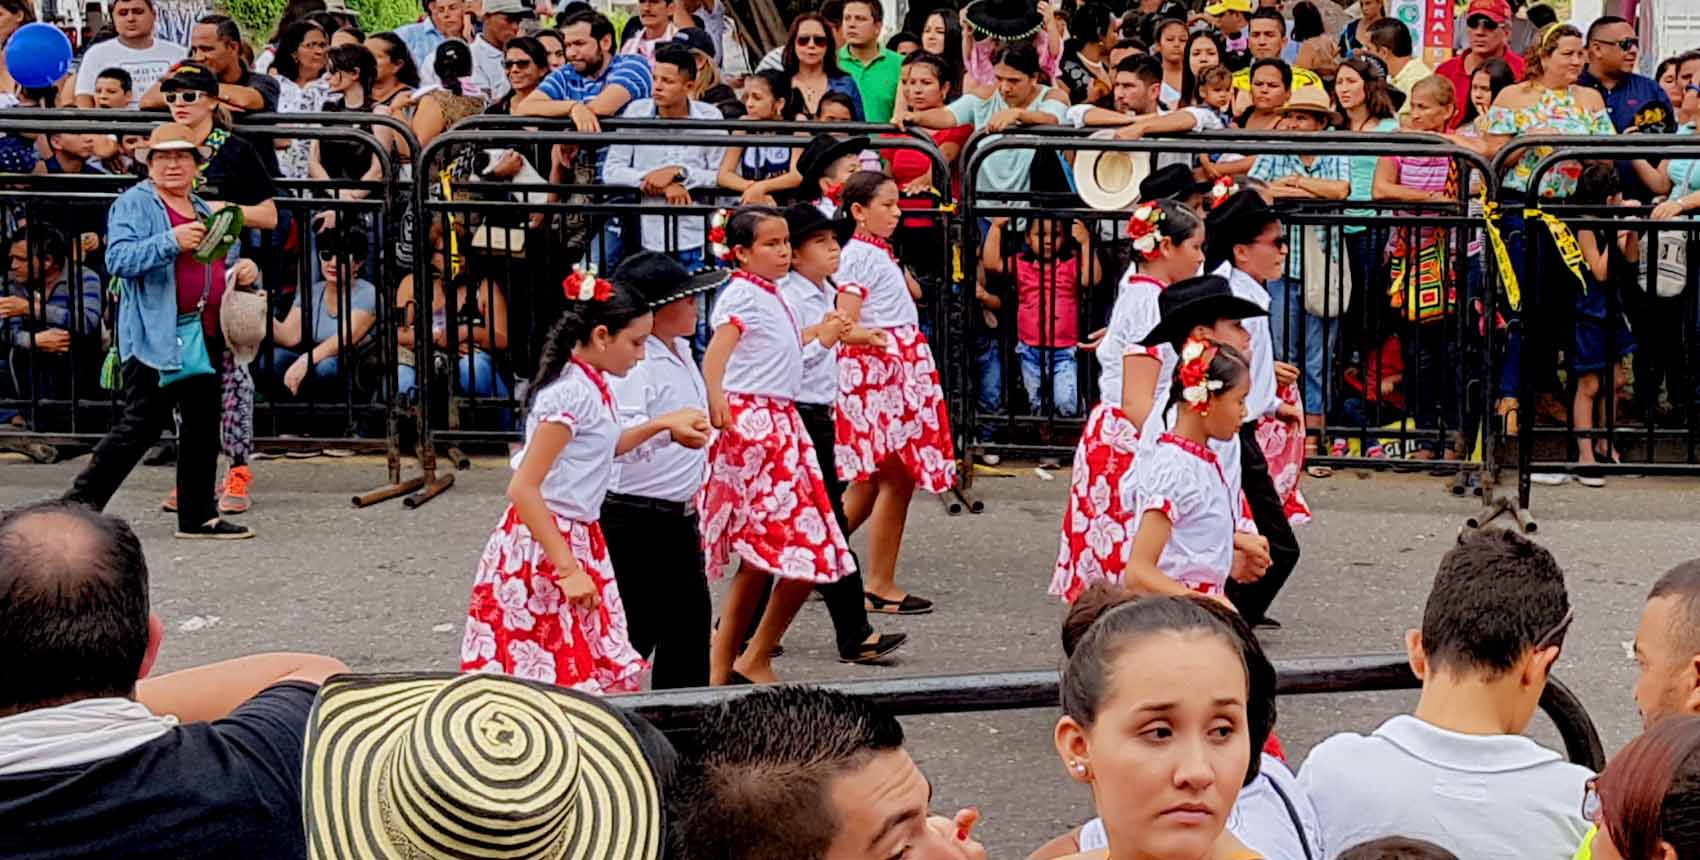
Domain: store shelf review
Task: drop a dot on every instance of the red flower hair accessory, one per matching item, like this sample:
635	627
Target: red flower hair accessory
717	247
583	286
1222	190
1194	373
1142	229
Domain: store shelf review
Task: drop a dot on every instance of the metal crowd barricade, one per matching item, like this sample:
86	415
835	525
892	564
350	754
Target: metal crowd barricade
1657	295
1335	320
678	712
348	411
513	242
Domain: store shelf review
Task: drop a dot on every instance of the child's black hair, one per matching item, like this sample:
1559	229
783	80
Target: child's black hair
741	227
575	326
1228	365
862	187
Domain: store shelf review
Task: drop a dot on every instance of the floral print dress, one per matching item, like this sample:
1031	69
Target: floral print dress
1558	111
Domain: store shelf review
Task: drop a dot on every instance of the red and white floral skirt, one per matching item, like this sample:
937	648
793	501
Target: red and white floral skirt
521	624
1283	446
765	501
890	404
1096	529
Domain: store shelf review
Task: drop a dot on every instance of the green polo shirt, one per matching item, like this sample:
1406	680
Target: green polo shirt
876	81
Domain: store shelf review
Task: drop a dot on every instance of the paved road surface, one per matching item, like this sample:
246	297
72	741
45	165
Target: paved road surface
385	589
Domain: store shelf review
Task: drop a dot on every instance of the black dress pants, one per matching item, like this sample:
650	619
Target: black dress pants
844	599
656	551
1271	517
146	413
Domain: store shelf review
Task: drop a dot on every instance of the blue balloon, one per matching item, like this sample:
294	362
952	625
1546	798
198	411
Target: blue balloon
38	55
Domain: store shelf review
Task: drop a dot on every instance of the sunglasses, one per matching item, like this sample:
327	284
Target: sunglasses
516	64
330	256
1481	22
1627	43
813	40
1555	636
182	97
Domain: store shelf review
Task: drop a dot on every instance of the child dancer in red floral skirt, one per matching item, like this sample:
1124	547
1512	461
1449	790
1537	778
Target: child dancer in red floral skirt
1168	245
544	602
893	433
765	501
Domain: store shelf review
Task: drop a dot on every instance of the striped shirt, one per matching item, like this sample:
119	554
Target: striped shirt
631	72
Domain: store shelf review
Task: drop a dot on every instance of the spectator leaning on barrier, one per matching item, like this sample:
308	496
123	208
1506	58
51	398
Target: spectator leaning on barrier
1020	100
502	21
153	229
666	174
196	764
45	320
1489	25
455	99
809	774
1636	102
446	19
1493	626
595	82
874	69
135	50
216	43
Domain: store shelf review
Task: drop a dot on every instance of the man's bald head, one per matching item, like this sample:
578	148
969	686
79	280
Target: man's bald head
73	606
1667	646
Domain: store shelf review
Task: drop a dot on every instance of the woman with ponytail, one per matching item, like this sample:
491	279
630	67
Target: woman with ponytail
458	98
766	502
1168	246
893	433
545	605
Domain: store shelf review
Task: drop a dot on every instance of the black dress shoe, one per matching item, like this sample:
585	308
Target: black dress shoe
875	651
1266	623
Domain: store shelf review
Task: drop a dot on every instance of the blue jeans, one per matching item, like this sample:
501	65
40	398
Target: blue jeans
1293	330
988	368
319	373
1064	393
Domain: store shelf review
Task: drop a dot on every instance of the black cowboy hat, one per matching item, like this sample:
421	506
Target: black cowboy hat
1194	302
819	155
661	280
1244	215
1171	182
806	219
1005	20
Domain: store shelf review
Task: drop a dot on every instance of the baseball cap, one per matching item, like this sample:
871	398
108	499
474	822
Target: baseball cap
1498	10
506	7
1224	6
190	76
695	39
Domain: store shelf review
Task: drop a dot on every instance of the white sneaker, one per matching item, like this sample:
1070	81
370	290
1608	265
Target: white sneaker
990	459
1594	481
1549	479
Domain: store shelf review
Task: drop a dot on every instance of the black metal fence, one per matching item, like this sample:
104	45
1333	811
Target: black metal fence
677	712
1379	384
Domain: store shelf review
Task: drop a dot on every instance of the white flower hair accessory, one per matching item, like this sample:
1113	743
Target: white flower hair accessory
1142	229
717	247
1194	374
583	286
1222	190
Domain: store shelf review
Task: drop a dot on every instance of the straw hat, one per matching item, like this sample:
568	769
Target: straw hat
242	318
477	766
173	137
1108	180
1312	100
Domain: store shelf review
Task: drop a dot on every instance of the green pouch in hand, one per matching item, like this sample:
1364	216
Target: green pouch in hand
223	229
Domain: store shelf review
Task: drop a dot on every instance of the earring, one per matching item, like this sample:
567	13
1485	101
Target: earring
1079	767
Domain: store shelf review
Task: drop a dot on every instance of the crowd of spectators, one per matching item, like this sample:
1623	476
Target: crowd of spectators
1168	715
1369	358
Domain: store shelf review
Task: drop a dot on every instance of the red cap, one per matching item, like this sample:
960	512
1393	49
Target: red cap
1498	10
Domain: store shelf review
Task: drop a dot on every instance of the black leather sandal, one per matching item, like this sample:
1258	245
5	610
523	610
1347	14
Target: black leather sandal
875	651
909	605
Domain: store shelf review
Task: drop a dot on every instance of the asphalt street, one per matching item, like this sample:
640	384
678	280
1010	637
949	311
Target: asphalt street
385	589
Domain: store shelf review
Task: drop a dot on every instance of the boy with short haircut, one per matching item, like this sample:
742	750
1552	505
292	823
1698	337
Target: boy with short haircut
1458	772
112	89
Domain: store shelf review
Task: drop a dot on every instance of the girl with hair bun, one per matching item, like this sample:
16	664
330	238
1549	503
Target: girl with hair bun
765	502
1168	245
545	605
893	433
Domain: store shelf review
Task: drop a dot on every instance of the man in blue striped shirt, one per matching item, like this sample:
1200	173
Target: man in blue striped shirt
595	82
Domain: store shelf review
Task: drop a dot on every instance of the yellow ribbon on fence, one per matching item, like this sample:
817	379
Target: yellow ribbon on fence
1501	254
454	240
1568	249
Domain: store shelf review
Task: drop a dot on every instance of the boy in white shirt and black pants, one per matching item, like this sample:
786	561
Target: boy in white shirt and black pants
649	516
812	297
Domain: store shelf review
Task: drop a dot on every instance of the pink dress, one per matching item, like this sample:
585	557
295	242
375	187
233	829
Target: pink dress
890	403
765	502
519	622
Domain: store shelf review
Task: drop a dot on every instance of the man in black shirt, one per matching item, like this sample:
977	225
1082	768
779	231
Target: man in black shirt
200	763
216	42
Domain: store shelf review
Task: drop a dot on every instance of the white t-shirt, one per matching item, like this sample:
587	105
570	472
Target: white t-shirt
667	380
1485	797
1262	399
768	360
145	65
868	269
577	481
810	304
1260	818
1185	481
